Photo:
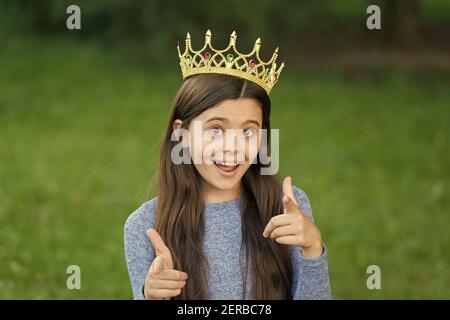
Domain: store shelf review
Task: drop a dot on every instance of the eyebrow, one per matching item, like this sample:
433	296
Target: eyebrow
252	121
226	120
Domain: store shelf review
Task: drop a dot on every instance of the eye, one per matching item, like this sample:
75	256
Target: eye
215	131
249	133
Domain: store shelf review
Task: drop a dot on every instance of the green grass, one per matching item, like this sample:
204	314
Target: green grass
80	128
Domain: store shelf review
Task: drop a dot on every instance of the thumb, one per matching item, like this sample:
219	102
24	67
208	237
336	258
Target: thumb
290	203
158	265
160	247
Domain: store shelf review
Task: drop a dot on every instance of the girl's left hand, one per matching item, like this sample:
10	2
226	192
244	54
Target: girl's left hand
293	227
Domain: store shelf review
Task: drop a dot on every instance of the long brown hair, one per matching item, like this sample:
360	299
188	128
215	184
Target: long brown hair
180	200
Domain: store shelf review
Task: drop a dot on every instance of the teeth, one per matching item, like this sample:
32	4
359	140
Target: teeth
226	164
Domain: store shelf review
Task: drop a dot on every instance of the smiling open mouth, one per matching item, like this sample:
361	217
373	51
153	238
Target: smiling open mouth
226	168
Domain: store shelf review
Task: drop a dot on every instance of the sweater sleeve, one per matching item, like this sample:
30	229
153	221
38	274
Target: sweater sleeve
310	278
139	252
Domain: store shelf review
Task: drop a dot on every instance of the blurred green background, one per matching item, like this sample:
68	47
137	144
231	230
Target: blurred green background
364	119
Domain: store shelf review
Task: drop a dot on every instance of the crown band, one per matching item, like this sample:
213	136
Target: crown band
230	61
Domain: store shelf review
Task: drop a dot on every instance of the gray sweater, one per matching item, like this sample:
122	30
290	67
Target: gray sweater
222	242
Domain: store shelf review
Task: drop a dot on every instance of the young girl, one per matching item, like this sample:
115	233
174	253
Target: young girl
219	229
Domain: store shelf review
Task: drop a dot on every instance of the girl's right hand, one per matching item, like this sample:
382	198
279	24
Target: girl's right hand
162	280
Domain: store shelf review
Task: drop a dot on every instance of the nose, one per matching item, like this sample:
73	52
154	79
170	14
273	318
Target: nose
234	147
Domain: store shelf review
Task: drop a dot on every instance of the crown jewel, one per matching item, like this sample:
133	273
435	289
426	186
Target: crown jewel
230	61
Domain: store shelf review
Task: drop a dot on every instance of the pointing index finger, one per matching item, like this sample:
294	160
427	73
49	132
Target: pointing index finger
277	221
157	242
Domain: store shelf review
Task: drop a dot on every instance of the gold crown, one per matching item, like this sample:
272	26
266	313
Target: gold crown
230	61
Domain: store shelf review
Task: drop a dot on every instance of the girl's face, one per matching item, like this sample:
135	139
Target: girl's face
224	141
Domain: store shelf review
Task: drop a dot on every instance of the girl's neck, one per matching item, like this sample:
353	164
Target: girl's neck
214	195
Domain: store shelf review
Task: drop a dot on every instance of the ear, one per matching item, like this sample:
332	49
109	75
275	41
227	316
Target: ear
177	124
